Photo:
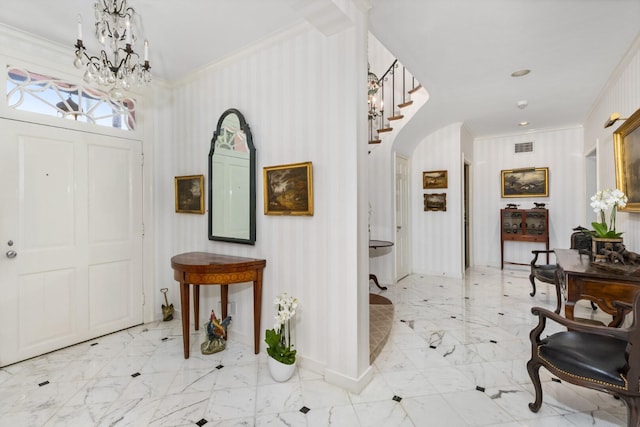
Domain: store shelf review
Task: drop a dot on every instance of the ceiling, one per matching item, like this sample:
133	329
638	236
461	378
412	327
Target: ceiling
462	51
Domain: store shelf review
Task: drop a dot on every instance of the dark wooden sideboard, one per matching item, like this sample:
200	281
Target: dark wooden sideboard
584	281
523	225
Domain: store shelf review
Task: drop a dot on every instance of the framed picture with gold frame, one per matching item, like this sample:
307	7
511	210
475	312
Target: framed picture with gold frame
434	179
525	182
626	149
189	194
435	202
288	189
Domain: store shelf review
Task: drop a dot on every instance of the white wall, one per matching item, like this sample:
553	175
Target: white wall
561	151
437	236
622	94
304	99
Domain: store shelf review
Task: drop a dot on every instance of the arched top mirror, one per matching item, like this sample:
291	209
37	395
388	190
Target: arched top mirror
232	181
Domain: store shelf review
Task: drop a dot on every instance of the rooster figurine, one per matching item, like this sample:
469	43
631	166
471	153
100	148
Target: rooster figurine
216	334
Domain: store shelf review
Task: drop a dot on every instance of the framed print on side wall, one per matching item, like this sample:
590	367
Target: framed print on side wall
434	179
435	202
626	148
288	189
525	182
189	194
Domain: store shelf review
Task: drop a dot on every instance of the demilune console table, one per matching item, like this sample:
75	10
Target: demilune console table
202	268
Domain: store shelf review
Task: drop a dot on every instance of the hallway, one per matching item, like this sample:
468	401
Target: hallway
456	356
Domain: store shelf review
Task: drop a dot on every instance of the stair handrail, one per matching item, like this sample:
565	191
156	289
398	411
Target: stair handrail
390	73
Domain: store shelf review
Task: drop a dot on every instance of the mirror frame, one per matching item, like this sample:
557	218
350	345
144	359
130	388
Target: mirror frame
252	179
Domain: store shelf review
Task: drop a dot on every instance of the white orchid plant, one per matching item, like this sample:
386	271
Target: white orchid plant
278	339
601	202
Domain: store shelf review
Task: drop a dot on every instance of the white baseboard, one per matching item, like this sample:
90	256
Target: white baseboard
354	385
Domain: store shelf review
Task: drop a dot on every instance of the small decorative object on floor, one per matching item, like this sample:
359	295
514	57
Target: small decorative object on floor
282	355
216	335
605	236
167	310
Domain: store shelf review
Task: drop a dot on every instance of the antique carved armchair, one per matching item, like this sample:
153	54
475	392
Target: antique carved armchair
596	357
580	239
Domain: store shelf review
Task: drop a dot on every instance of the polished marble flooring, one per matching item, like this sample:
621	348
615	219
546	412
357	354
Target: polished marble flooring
455	357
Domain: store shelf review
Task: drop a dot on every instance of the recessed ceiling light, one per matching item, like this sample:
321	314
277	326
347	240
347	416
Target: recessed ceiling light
523	124
520	73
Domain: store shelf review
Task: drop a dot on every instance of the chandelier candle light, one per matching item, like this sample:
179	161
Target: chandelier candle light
117	67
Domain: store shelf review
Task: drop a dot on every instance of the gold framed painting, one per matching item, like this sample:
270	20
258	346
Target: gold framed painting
434	179
288	189
189	194
525	182
626	149
435	202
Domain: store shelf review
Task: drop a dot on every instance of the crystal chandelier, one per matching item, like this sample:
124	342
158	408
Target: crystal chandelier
117	67
372	89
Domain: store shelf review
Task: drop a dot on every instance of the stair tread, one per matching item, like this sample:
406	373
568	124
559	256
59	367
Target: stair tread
375	141
415	89
401	116
385	130
405	104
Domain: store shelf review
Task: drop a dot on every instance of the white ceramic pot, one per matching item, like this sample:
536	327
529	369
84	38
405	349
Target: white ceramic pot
279	371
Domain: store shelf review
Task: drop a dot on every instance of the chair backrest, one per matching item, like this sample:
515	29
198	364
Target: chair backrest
633	348
581	238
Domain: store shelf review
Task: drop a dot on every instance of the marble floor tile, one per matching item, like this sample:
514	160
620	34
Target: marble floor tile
456	356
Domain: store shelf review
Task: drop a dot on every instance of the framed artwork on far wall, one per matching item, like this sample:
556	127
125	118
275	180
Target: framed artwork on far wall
435	202
626	149
189	194
525	182
434	179
288	189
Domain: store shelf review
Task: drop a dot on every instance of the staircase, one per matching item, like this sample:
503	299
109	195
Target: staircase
398	87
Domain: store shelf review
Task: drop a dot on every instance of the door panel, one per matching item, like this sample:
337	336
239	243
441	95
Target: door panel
51	293
72	209
403	267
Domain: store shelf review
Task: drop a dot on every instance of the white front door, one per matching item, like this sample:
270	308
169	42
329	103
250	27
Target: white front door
71	237
403	266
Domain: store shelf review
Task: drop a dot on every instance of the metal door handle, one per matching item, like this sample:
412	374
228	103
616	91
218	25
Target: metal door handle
11	253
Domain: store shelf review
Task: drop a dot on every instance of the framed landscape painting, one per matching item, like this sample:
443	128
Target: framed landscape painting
434	179
288	189
190	194
435	202
527	182
626	148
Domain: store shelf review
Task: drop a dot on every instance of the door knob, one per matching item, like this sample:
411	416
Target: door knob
11	253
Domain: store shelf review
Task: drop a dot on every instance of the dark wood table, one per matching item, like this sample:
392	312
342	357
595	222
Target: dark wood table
584	281
202	268
375	244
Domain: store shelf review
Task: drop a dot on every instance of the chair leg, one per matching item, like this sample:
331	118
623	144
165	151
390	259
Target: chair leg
534	372
533	285
633	413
